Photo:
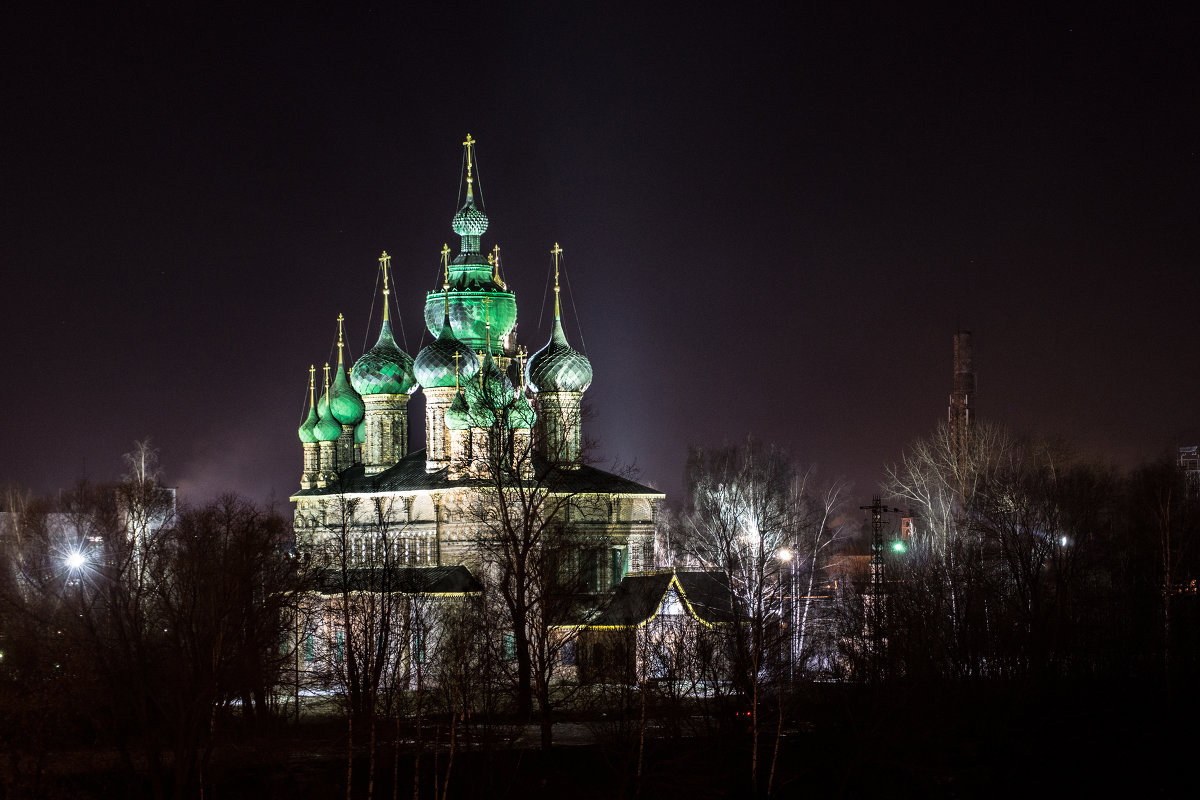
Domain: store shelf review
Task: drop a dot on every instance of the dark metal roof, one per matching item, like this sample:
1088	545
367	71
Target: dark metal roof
409	475
400	580
639	597
708	595
636	599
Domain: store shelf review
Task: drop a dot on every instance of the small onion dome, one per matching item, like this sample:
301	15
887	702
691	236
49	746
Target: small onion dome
360	432
458	415
558	367
327	428
435	364
514	373
344	402
489	394
469	221
521	415
307	430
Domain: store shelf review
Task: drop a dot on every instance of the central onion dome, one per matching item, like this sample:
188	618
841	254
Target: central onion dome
435	364
385	368
558	367
473	292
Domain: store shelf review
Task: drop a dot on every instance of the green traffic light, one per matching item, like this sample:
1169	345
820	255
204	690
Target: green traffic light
899	546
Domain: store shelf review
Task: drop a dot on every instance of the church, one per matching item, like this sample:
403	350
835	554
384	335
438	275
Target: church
496	420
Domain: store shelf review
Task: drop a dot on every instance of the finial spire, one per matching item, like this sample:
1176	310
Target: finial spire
341	319
457	356
385	263
494	260
556	252
469	144
445	267
312	402
327	379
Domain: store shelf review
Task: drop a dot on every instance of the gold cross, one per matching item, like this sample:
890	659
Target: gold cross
340	320
326	377
457	356
446	265
311	379
385	262
556	252
469	143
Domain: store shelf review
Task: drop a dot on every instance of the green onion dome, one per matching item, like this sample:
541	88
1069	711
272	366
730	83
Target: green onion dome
307	428
520	414
489	393
469	220
558	367
435	364
327	428
385	368
360	432
458	415
344	402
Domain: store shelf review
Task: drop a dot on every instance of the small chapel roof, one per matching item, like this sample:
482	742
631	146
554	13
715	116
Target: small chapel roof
642	596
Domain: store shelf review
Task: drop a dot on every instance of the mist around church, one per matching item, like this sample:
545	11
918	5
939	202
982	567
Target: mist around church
486	612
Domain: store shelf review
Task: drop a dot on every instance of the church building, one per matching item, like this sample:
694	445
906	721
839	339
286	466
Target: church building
378	498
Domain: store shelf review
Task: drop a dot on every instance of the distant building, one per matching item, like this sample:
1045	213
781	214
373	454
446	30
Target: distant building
1189	462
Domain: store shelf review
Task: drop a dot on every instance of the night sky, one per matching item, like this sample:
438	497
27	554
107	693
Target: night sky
773	222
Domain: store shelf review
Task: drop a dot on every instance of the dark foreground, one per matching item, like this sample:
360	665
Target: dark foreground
842	742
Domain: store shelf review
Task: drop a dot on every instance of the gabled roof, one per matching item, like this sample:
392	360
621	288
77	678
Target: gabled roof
409	475
641	597
401	580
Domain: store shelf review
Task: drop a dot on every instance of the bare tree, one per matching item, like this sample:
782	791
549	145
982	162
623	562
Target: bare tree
741	517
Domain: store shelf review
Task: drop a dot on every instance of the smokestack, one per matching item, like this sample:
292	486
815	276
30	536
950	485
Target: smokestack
962	397
964	371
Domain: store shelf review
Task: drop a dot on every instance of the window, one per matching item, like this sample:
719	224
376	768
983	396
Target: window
339	645
568	653
508	646
618	564
588	569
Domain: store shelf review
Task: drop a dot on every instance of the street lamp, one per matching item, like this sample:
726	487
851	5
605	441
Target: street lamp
787	557
75	560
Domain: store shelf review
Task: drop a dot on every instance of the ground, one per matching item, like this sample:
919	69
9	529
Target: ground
845	742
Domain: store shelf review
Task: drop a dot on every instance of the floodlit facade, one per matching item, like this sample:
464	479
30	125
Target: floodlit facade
496	420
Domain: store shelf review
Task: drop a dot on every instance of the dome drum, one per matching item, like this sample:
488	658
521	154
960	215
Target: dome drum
468	319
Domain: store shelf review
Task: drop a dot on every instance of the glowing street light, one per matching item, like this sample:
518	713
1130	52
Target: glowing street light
75	560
